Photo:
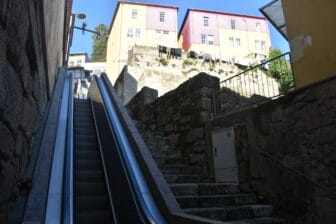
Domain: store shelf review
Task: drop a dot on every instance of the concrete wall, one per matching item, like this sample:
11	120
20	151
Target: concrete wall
31	51
300	131
311	36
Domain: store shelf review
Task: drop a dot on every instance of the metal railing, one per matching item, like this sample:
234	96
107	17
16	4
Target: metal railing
269	79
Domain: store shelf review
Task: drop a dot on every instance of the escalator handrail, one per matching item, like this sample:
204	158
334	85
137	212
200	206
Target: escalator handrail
68	205
55	193
142	191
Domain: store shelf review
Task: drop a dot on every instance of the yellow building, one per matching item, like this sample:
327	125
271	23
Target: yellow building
224	35
308	27
138	24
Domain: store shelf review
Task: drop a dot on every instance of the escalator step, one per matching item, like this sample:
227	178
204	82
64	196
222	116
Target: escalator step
87	154
88	188
85	145
85	164
85	138
99	217
89	176
92	203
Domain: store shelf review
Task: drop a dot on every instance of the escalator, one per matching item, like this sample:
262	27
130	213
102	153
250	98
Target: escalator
94	176
91	198
102	171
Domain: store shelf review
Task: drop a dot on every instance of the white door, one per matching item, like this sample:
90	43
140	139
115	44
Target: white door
224	152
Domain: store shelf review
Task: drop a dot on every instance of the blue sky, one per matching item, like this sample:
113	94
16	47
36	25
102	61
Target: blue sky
101	11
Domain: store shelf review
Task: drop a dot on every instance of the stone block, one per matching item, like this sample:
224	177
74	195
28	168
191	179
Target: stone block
194	135
7	142
197	157
7	183
326	135
173	139
13	103
204	104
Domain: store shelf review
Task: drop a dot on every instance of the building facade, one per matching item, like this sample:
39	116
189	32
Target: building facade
138	24
311	43
77	59
224	35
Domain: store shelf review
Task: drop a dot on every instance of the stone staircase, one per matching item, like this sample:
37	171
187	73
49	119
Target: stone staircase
217	201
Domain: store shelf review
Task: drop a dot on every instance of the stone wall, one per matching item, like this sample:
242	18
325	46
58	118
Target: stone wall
299	130
30	54
126	86
180	116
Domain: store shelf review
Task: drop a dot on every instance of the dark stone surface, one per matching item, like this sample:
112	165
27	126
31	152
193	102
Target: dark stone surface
23	81
298	130
180	115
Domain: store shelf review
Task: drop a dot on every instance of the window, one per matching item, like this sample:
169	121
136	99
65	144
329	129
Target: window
162	16
263	45
130	32
231	41
158	35
210	39
134	14
203	38
257	44
258	27
72	63
79	62
206	21
137	33
165	32
233	24
237	42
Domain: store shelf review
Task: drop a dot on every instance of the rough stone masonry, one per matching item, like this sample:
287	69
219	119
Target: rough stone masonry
31	50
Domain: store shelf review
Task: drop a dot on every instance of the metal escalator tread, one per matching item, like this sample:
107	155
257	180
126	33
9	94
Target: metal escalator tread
91	199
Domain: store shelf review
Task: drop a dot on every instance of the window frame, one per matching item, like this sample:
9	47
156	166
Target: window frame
203	38
162	17
130	33
238	42
231	42
206	20
258	27
233	24
134	14
137	33
211	42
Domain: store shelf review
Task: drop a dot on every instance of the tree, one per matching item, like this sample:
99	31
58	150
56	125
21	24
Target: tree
100	44
280	69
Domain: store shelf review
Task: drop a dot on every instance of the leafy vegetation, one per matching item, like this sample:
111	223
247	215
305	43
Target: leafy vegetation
99	44
280	69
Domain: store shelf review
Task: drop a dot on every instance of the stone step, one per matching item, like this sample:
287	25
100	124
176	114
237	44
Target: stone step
173	161
180	189
176	169
215	200
182	178
166	154
228	213
263	220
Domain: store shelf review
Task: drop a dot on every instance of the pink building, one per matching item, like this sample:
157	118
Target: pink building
224	34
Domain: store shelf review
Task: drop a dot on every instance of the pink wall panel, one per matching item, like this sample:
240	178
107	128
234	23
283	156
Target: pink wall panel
153	19
186	33
198	27
242	23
